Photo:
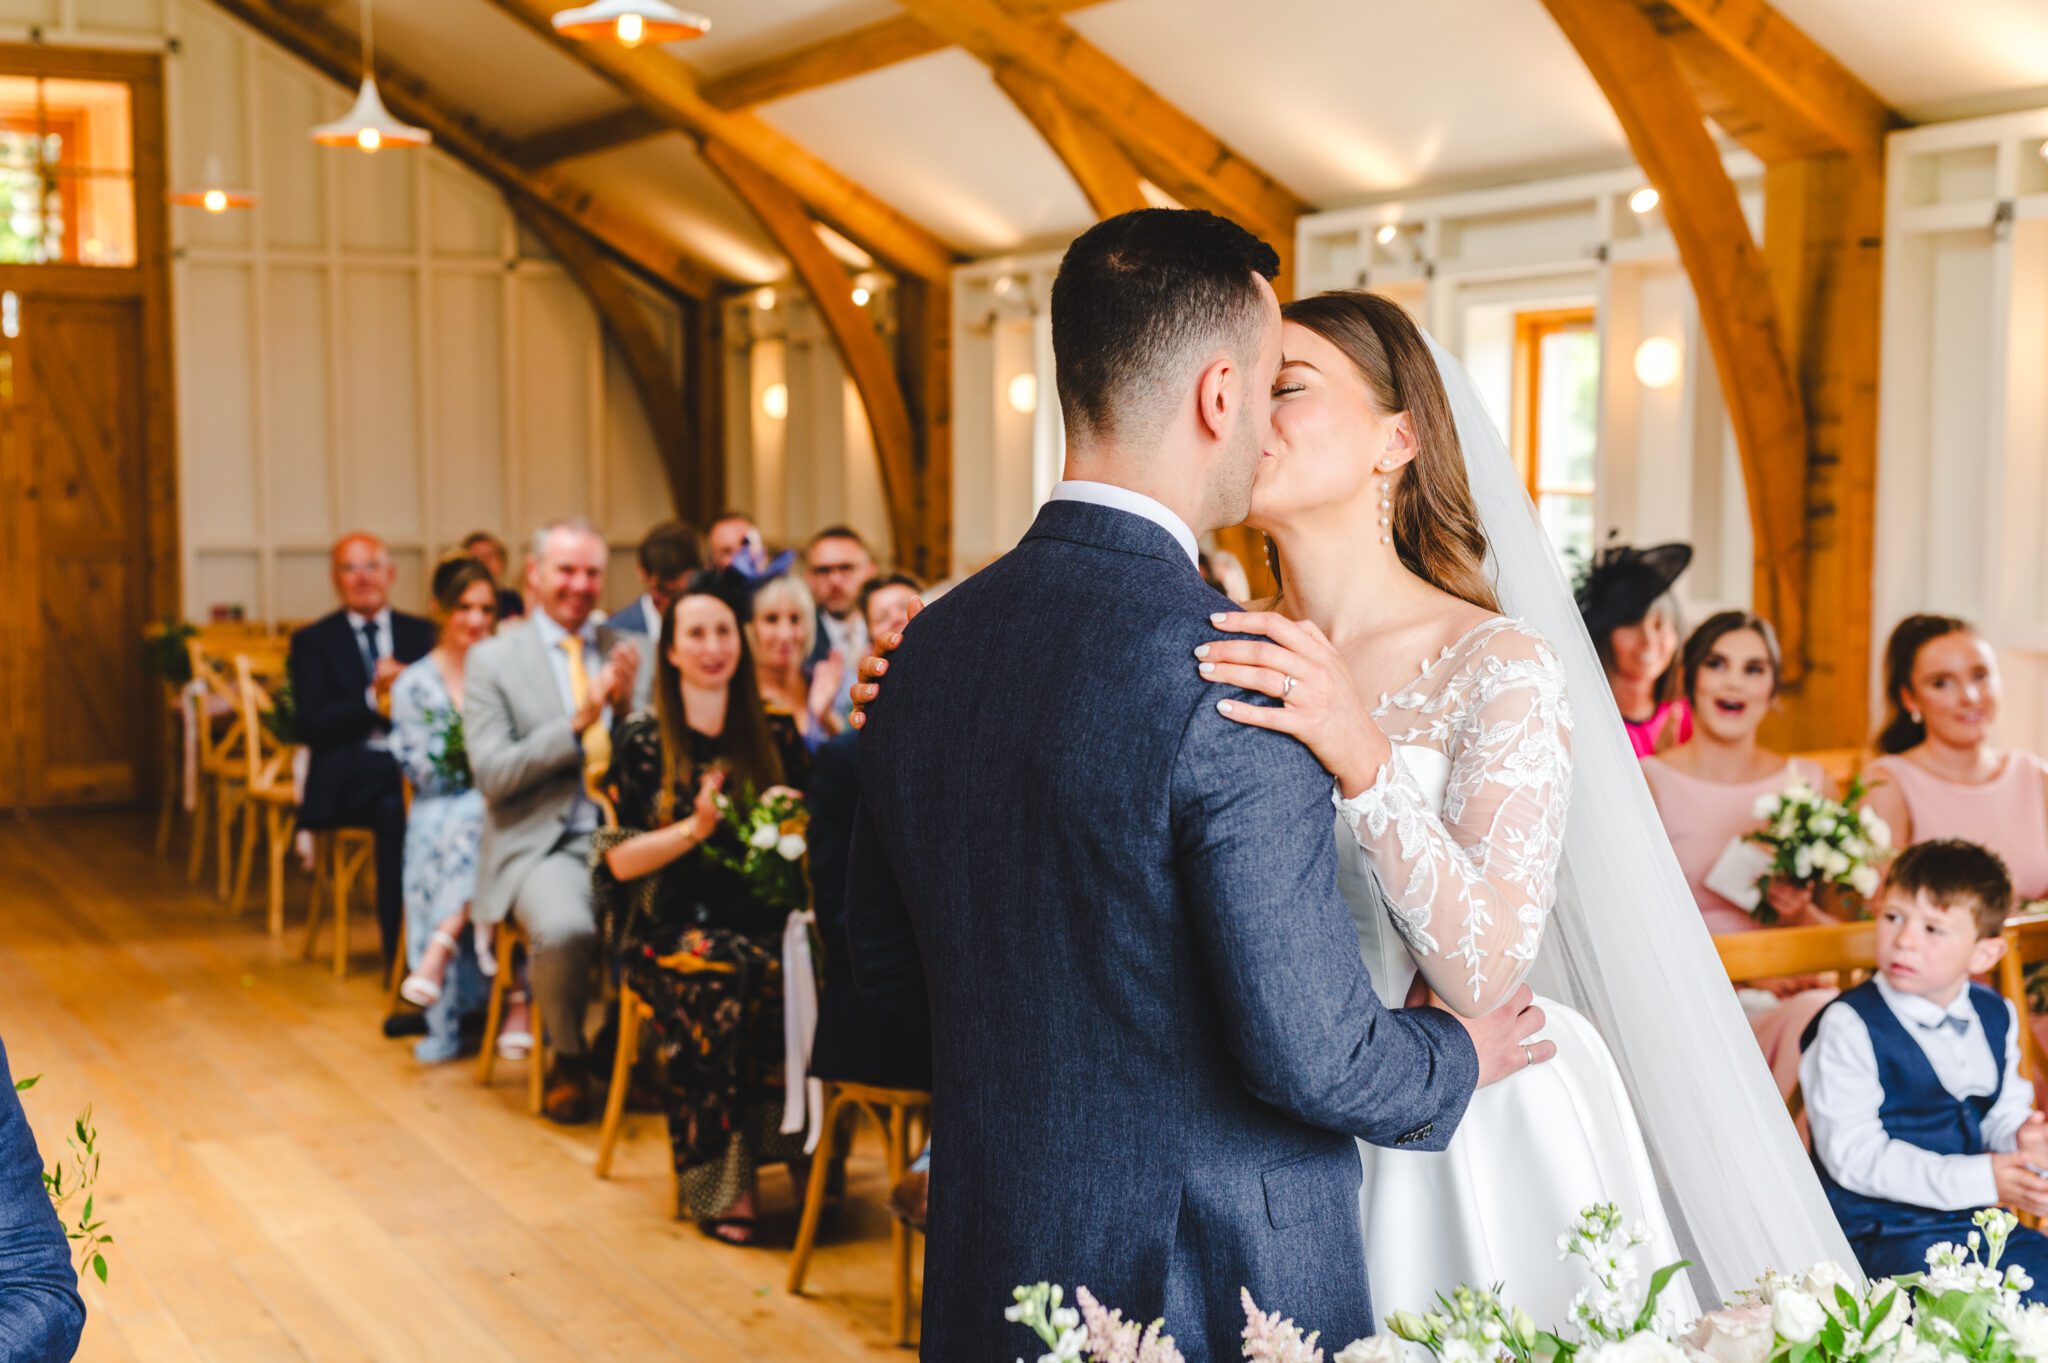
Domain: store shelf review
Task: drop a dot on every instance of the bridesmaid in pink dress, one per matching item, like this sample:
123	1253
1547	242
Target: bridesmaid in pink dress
1939	775
1707	791
1627	605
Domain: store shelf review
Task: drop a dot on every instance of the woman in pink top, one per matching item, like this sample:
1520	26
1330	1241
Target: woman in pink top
1706	791
1626	601
1940	776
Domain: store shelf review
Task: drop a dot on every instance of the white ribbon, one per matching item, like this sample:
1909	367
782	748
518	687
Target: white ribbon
803	1106
303	842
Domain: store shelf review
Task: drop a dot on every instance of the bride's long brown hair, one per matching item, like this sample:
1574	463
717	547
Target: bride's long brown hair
1435	526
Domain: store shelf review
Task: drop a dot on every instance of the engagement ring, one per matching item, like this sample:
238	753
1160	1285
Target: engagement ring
1287	685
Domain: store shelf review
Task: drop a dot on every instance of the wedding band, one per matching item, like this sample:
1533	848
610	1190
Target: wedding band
1287	685
1528	1057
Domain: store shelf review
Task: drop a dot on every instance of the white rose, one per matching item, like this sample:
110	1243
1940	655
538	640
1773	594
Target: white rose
1834	862
1895	1318
1876	829
1764	808
763	837
1642	1347
2029	1331
1739	1334
1796	1316
791	846
1802	864
1825	824
1863	880
1800	793
1856	847
1378	1349
1822	1280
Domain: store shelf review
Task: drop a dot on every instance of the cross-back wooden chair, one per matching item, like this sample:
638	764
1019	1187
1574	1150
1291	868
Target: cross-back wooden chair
2026	944
904	1115
1847	951
342	857
270	792
223	761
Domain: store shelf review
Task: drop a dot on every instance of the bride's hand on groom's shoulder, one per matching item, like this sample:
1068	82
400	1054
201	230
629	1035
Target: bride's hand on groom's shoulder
876	665
1501	1038
1295	663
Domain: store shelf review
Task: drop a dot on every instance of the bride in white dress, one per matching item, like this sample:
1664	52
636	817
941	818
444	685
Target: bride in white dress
1450	726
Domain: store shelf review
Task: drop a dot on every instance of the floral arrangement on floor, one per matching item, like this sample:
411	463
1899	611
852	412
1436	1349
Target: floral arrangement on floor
1961	1310
163	649
1815	841
447	749
771	847
83	1173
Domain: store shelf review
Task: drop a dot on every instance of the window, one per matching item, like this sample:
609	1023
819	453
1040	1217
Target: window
1557	426
67	172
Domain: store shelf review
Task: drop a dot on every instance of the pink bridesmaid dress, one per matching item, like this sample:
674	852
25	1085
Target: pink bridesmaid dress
2007	814
1702	817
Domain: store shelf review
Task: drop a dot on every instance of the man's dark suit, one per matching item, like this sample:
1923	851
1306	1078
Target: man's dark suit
1154	1039
350	784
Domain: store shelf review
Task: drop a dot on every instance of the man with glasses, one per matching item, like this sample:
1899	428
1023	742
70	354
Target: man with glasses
342	666
839	565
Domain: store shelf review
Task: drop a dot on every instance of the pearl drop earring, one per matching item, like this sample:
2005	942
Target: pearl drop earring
1386	504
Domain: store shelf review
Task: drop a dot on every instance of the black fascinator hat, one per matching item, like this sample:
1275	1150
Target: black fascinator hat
1623	582
729	585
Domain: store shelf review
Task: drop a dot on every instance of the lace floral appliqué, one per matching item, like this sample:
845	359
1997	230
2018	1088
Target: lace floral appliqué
1471	884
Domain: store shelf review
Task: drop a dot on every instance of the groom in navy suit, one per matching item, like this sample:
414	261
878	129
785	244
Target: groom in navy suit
1154	1039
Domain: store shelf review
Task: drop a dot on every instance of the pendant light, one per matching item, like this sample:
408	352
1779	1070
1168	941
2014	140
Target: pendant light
630	23
369	124
214	198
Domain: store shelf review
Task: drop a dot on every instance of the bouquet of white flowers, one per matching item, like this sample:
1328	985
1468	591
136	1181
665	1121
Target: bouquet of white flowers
770	846
1815	841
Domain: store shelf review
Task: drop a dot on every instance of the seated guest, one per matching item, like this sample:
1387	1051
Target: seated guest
489	550
342	667
1940	775
719	1030
1707	789
538	706
731	536
1626	601
839	565
668	555
886	602
446	822
1920	1117
785	626
41	1313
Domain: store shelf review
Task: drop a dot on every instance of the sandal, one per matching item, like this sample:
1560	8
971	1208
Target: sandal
744	1228
424	990
515	1043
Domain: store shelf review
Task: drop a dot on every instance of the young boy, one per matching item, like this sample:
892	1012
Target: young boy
1919	1115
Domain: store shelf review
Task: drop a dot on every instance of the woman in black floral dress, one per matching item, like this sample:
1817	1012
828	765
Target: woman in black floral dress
689	935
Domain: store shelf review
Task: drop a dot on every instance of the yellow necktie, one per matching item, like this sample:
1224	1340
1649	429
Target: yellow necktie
596	740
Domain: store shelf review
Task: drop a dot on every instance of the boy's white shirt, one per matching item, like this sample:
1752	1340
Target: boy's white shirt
1838	1075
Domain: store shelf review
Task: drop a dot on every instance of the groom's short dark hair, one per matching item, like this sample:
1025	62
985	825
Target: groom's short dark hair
1136	293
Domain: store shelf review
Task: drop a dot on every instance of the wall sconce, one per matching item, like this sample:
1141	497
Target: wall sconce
1658	362
764	298
1023	394
1644	200
775	401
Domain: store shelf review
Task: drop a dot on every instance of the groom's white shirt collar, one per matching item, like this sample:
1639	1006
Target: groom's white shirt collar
1137	503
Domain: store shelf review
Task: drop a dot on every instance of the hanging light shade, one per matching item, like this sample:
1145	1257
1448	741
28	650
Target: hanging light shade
214	197
630	22
369	125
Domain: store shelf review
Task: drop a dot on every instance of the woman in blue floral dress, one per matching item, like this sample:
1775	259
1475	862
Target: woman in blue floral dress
446	822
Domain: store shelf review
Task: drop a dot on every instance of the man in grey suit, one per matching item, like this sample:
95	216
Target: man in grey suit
537	715
1153	1037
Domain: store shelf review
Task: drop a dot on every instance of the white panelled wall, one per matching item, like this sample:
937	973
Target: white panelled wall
1963	435
374	346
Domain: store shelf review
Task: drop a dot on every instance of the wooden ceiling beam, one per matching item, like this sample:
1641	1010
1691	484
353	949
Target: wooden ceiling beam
1170	148
654	373
1639	72
1767	84
860	345
668	87
620	128
828	61
309	35
1107	176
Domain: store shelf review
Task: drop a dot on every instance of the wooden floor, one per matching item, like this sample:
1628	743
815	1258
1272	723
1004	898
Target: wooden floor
281	1182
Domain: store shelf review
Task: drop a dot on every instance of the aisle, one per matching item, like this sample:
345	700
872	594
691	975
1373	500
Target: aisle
283	1183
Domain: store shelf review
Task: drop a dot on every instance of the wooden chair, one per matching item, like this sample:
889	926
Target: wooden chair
268	785
633	1011
223	763
1847	951
2026	944
173	759
340	857
895	1111
511	938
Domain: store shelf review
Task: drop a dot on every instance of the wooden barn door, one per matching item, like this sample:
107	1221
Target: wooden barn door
73	463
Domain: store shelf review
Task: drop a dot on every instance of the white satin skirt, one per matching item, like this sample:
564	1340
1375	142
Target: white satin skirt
1532	1152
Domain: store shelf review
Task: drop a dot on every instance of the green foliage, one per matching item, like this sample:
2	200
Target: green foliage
163	650
282	718
68	1180
448	749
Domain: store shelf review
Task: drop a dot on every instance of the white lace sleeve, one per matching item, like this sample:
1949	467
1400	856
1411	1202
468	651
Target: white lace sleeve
1471	886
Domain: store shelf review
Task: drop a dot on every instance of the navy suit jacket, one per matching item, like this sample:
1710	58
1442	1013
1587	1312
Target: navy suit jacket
633	618
41	1314
1154	1038
329	690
